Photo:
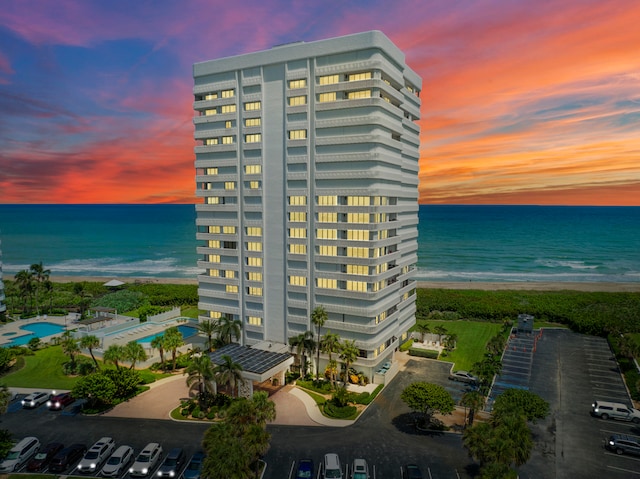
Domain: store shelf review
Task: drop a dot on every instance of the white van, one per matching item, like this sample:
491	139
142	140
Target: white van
20	454
331	468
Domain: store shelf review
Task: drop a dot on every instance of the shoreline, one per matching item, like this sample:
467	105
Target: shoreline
460	285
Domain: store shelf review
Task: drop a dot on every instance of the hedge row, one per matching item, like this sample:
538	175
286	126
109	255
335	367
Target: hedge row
424	353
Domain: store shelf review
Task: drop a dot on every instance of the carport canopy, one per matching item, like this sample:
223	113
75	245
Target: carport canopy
257	364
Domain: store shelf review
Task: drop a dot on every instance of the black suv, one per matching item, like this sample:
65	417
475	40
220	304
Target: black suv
621	444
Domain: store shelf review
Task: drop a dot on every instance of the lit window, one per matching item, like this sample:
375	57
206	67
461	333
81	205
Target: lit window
325	250
327	234
297	200
228	109
381	268
252	122
213	200
354	95
297	134
213	244
254	231
254	185
211	96
214	230
327	200
360	286
229	185
227	93
325	97
229	230
254	261
327	283
227	140
252	106
298	100
298	216
229	273
297	233
357	252
381	317
358	200
379	217
358	269
214	272
215	314
298	280
328	217
328	79
211	141
358	217
232	288
298	248
254	320
212	171
254	246
359	76
410	88
211	111
214	258
253	169
298	83
358	235
253	138
254	291
380	200
228	124
254	276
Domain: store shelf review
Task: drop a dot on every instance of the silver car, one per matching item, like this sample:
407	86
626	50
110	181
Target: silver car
146	460
117	462
96	455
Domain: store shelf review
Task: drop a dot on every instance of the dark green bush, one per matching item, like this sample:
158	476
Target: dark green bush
337	412
424	353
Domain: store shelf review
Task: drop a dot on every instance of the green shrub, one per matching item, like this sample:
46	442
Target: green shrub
632	377
406	345
196	412
320	386
424	353
362	398
337	412
211	414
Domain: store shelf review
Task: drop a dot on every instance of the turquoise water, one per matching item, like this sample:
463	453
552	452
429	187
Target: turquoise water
187	331
455	242
37	330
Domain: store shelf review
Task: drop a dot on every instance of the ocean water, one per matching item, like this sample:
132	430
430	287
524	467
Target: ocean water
456	242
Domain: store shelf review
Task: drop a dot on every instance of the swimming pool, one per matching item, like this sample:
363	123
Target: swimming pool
36	330
187	331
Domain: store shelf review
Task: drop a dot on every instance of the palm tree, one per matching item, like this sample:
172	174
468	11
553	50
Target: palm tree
319	316
229	372
158	343
474	400
208	327
449	342
40	275
24	281
303	343
70	347
331	344
228	328
114	354
201	372
264	408
440	330
348	354
496	345
134	352
172	341
5	398
90	342
423	328
48	287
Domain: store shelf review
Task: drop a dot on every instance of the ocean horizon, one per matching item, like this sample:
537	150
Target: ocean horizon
456	243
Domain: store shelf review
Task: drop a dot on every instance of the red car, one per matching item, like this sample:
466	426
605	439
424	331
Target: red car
59	401
44	456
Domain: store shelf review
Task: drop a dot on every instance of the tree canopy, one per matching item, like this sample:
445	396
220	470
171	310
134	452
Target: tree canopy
428	399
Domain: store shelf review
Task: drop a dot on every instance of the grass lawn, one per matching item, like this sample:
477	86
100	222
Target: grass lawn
472	340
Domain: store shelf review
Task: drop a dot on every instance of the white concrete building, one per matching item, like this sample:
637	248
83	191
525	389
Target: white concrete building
3	307
307	168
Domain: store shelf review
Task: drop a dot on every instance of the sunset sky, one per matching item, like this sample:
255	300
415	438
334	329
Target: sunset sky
523	102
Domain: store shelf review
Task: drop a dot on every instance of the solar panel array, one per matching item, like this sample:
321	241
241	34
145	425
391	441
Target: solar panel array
251	360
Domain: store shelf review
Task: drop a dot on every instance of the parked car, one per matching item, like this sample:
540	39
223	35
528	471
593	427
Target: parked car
613	410
305	469
360	469
117	462
463	376
96	455
192	471
42	458
172	464
67	458
411	471
146	460
331	468
622	444
60	401
19	454
34	400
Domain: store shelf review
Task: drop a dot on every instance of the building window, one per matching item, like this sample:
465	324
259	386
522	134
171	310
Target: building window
298	100
327	200
353	252
215	314
297	200
297	232
214	200
358	269
298	280
293	84
359	76
325	250
253	231
227	140
211	141
213	244
211	111
254	246
254	261
381	268
254	291
211	96
229	185
354	95
227	93
252	106
327	217
228	109
254	276
214	258
325	97
214	230
228	124
253	138
214	272
297	216
329	79
360	286
324	233
229	230
231	288
252	122
229	273
297	134
254	320
327	283
358	200
358	217
211	171
358	235
254	185
253	169
298	248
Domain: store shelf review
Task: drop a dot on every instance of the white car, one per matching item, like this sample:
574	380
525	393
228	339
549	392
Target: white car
146	460
35	399
463	376
117	462
96	455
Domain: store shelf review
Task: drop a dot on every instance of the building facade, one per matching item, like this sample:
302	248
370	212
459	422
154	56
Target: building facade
3	307
307	170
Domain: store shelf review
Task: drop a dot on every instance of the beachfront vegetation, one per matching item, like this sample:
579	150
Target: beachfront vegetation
585	312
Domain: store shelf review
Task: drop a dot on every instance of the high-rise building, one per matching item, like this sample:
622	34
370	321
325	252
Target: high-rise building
3	307
307	168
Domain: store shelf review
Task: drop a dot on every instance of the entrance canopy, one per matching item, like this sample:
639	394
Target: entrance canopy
257	364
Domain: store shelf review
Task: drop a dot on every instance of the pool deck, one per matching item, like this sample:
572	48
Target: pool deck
15	327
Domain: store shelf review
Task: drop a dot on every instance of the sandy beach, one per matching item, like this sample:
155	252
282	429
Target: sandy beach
485	286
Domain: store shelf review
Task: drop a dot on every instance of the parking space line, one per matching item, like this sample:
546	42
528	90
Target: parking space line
624	470
609	431
624	456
